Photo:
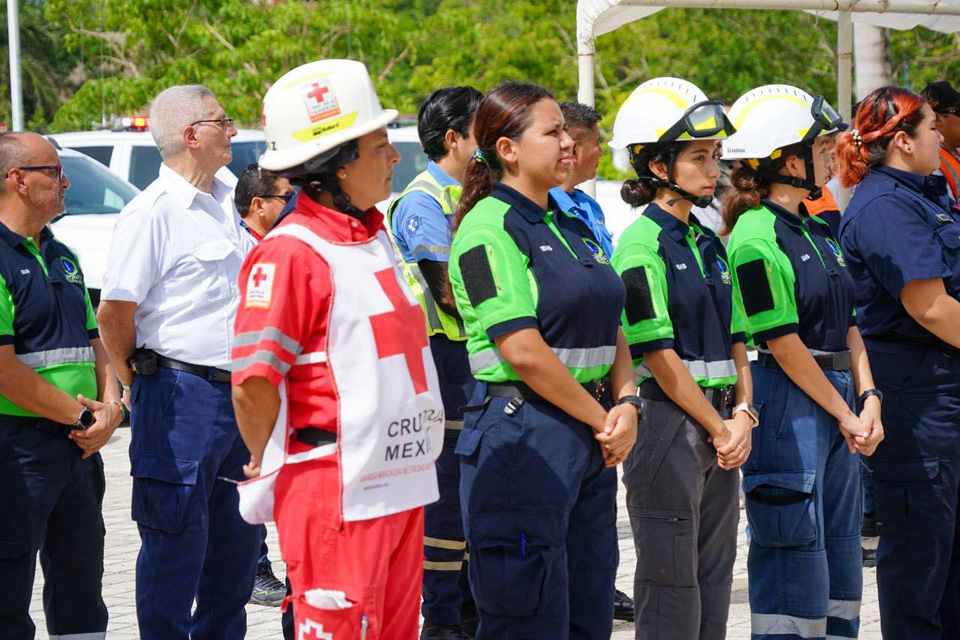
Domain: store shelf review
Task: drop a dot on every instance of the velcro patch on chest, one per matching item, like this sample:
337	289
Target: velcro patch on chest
639	304
260	286
477	275
755	287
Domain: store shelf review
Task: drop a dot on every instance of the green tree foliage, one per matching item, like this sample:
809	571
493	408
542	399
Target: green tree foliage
134	48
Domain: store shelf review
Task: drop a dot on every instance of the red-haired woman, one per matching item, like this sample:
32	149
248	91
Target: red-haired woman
902	241
541	306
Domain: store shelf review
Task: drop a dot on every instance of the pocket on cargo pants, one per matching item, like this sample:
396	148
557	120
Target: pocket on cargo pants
781	508
666	547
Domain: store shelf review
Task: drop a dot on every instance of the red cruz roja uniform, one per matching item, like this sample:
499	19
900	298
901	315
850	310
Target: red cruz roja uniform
326	316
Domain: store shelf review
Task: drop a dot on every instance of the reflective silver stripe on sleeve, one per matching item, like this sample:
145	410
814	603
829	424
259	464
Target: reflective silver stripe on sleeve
435	249
67	355
844	609
314	357
453	425
698	369
267	357
269	333
426	186
774	624
94	635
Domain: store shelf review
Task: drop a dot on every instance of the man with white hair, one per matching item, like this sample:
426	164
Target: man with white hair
167	309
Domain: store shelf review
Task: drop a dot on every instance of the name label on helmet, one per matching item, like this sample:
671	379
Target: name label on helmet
328	127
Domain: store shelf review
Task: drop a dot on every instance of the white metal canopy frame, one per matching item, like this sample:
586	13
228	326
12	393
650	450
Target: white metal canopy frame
597	17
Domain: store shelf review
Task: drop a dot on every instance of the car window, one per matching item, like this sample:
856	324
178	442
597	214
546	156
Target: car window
100	154
245	153
144	166
93	189
413	161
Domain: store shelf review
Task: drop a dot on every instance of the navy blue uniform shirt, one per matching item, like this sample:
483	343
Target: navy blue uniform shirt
899	227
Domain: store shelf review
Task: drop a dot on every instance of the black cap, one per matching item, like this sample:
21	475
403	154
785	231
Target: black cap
941	95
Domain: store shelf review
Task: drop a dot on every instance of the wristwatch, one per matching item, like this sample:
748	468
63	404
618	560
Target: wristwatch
866	394
750	411
636	401
84	420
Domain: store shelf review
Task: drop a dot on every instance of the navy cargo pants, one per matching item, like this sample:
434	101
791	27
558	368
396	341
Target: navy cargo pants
804	506
539	514
194	544
445	584
916	473
50	500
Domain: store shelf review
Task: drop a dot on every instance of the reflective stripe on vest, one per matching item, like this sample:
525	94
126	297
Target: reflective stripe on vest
438	320
67	355
572	358
950	165
698	369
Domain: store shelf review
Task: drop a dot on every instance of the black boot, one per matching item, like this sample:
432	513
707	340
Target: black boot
434	631
469	619
622	606
267	590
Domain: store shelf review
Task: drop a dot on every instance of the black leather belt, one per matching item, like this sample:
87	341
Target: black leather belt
523	390
315	437
721	399
836	361
208	373
40	424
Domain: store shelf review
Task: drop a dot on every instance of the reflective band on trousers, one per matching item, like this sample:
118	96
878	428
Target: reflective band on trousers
573	358
95	635
67	355
440	543
844	609
773	624
698	369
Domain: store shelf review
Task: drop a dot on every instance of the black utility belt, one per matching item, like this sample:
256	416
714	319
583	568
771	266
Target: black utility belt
720	399
522	390
836	361
145	362
40	424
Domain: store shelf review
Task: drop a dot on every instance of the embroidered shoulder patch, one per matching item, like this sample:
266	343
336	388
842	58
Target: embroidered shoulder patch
260	286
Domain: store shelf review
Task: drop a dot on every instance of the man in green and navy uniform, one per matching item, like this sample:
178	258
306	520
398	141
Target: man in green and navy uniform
419	221
51	426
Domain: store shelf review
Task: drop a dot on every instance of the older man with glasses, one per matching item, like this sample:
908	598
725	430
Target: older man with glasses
167	308
51	426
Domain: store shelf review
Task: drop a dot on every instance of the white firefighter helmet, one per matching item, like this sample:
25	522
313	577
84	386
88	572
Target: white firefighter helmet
314	109
668	110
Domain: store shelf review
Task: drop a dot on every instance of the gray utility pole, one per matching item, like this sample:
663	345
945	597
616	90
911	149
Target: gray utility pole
16	86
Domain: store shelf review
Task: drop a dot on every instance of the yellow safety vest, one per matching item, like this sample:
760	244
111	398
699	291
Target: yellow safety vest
438	320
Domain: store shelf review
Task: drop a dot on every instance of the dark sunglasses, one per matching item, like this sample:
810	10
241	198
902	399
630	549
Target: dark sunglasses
825	118
43	167
222	122
702	120
286	197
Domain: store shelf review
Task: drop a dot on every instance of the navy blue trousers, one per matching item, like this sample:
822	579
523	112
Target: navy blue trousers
194	544
804	505
539	510
916	472
51	502
445	584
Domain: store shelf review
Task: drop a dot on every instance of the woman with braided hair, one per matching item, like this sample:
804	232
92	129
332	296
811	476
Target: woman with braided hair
901	237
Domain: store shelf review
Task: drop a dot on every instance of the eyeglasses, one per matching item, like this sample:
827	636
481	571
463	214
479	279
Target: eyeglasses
223	122
702	120
286	197
43	167
952	111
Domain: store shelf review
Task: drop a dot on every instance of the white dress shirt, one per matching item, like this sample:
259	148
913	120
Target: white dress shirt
177	252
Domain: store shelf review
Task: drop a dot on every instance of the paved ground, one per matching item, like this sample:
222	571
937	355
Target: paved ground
123	543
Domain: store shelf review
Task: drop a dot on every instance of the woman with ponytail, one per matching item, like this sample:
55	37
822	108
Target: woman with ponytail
541	308
802	481
901	237
683	323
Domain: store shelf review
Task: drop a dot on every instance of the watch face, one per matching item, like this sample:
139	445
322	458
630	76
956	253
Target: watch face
86	417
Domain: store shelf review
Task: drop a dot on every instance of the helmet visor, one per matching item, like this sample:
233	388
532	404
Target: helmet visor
702	120
825	118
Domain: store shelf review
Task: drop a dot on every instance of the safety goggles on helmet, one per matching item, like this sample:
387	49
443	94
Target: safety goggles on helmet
825	118
702	120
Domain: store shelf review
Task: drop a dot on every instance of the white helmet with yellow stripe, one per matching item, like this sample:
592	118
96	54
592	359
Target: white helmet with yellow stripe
666	110
776	116
315	109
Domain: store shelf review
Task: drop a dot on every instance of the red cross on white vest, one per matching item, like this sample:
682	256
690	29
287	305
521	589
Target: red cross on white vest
402	331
